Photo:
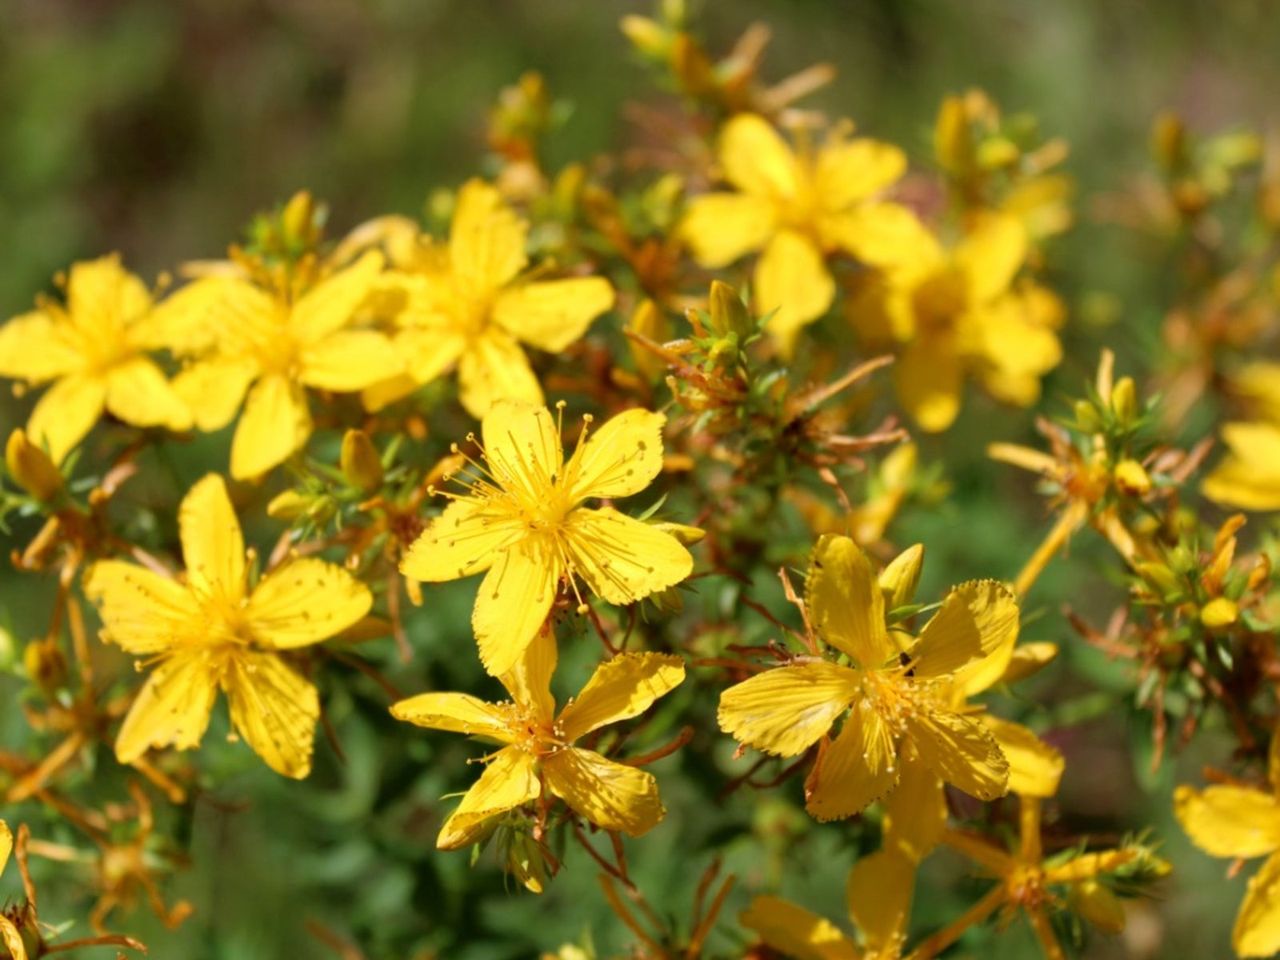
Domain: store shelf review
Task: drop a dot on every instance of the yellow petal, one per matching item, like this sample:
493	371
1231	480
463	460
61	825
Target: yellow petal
610	795
1229	821
1029	659
214	389
791	277
786	710
622	687
721	227
915	814
620	459
755	159
991	254
138	393
141	611
494	368
977	619
463	540
456	713
1035	767
621	559
883	235
35	348
879	894
928	381
522	447
331	303
487	238
349	360
212	544
67	411
852	170
512	604
508	781
275	423
172	708
103	297
845	603
529	681
961	752
429	353
1250	476
795	932
11	938
552	314
854	770
186	321
305	601
6	845
1257	927
1097	904
275	709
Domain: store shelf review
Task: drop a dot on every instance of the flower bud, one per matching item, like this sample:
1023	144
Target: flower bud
1098	905
31	468
1124	400
360	462
1218	613
1132	478
45	665
898	581
728	313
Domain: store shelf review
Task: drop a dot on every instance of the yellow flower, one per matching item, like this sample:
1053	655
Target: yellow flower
93	348
10	935
797	208
537	751
1234	821
270	345
888	700
522	519
879	896
210	630
1249	476
957	311
466	308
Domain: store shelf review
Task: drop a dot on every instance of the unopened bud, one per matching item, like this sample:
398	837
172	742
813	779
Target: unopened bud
1098	905
31	468
898	581
1124	400
1132	478
1218	613
728	313
360	462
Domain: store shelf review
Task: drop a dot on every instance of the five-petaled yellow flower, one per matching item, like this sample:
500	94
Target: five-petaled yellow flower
958	311
878	893
521	518
1242	822
797	207
466	307
93	348
271	345
211	630
537	751
889	695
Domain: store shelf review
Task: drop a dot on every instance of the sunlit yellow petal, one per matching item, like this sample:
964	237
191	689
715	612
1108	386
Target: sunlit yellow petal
721	227
141	611
552	314
522	447
620	459
1035	767
275	423
879	894
456	713
508	781
305	601
960	751
622	559
275	709
487	238
214	389
978	618
885	235
1257	927
330	304
35	349
853	170
212	544
791	278
854	770
494	368
786	710
991	254
138	393
349	360
915	814
845	602
463	540
795	932
529	680
610	795
755	158
622	687
67	411
172	708
512	604
1229	821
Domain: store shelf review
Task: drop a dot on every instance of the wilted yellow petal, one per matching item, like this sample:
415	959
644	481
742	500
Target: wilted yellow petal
1257	928
512	604
977	619
721	227
622	687
487	238
212	544
494	368
305	601
879	893
330	304
138	393
619	459
610	795
142	612
854	770
1035	767
845	602
552	314
795	932
786	710
755	158
275	423
275	709
11	938
792	279
456	713
349	360
67	411
463	540
961	752
622	559
172	708
1229	821
508	781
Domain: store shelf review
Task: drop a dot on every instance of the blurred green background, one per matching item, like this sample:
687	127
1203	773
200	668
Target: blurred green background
157	128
